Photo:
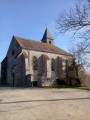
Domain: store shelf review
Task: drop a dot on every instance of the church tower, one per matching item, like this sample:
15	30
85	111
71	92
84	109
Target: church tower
47	38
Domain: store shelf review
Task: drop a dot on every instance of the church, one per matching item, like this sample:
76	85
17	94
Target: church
32	63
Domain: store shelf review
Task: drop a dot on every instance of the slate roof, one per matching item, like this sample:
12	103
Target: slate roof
47	35
39	46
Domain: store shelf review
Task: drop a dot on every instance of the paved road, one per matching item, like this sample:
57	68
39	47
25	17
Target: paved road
44	104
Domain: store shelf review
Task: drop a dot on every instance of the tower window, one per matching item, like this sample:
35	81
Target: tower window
49	42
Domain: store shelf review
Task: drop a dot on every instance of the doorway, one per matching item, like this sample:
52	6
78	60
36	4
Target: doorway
34	83
13	76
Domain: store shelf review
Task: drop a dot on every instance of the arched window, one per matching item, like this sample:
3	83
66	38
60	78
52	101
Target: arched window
52	64
49	42
35	63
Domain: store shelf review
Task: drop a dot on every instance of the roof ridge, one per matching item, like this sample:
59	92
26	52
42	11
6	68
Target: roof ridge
30	40
39	46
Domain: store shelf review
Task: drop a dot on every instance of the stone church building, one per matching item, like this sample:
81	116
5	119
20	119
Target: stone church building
33	63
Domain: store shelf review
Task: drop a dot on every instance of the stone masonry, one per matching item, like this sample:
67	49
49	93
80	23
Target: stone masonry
33	63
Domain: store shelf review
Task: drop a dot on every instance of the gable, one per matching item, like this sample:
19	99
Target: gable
14	48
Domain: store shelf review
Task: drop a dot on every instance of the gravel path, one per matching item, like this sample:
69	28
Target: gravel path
44	104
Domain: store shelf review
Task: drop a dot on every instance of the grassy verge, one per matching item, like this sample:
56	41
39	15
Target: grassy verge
60	87
84	88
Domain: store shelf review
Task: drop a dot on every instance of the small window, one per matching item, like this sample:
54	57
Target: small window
35	63
49	42
53	65
13	52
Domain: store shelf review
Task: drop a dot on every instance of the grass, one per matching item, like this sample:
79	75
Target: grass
63	86
84	88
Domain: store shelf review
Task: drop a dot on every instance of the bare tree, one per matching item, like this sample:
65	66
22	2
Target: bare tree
78	64
78	21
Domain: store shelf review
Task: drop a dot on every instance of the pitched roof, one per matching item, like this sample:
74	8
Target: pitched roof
46	35
39	46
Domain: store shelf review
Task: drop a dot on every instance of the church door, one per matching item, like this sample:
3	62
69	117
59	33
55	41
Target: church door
13	75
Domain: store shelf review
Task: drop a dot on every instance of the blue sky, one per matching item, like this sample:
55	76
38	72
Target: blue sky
28	19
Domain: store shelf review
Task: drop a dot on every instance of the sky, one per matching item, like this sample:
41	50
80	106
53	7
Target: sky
29	18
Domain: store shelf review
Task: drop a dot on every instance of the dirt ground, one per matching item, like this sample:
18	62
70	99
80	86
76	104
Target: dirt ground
44	104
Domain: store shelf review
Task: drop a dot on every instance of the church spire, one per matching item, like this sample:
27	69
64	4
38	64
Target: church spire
47	38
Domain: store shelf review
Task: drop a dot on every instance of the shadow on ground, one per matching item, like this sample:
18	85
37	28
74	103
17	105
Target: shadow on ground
43	100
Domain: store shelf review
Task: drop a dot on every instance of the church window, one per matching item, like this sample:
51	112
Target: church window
52	64
35	63
49	42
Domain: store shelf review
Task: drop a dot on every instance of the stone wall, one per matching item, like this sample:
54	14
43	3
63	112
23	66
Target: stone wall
44	73
4	71
20	70
14	66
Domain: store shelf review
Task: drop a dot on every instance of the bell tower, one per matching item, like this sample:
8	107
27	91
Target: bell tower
47	38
